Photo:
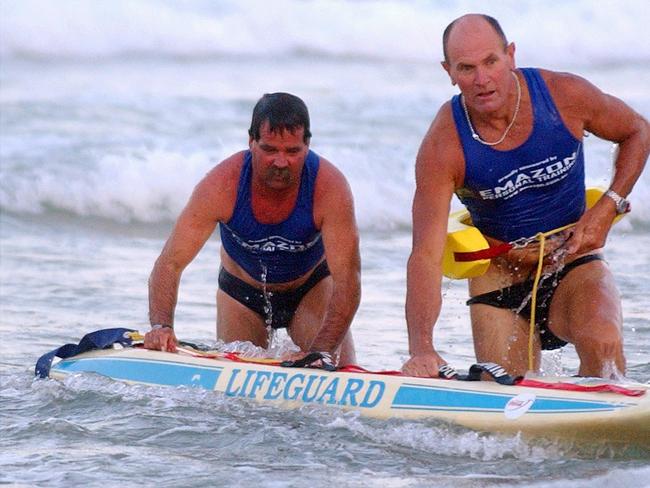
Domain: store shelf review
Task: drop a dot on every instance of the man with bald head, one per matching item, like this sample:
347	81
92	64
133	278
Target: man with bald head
510	147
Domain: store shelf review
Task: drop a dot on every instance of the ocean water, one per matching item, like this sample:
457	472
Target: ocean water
110	112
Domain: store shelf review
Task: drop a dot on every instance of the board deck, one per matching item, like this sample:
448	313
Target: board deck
479	405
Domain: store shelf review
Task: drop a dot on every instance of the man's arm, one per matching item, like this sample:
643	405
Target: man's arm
192	229
611	119
437	175
335	206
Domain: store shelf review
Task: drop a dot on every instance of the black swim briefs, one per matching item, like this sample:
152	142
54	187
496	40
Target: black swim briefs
279	307
513	296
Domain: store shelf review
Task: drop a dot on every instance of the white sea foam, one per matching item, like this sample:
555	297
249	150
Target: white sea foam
148	187
121	134
153	185
576	32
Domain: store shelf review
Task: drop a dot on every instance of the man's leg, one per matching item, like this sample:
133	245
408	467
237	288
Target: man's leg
235	322
309	317
586	311
501	336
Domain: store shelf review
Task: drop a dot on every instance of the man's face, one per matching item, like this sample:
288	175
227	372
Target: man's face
480	65
278	157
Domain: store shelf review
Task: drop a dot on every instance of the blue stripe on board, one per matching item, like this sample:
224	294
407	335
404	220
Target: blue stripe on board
419	397
143	371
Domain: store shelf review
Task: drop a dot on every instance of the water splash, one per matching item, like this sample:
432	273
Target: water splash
551	363
268	307
611	372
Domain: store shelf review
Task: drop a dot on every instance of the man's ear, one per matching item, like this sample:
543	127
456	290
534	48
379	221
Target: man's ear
510	52
445	65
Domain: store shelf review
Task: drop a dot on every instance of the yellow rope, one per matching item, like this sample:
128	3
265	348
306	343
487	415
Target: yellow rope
533	305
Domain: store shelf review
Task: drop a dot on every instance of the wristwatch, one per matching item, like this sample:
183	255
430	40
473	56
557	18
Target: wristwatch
160	326
622	205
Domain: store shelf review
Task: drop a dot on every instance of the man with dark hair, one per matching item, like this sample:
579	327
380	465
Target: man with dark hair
290	244
510	147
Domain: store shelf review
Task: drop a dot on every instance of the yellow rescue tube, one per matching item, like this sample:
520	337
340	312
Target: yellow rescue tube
462	236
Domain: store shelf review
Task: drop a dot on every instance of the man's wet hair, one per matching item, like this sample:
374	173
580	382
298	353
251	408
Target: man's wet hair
490	20
283	111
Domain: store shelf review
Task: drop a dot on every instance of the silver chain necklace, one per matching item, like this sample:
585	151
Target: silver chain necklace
475	136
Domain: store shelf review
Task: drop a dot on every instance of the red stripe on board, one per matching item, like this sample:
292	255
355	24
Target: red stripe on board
353	368
589	388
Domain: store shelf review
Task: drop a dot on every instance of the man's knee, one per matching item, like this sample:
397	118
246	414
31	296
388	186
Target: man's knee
601	339
601	352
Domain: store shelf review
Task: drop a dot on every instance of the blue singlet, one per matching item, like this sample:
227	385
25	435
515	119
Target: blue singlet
274	253
536	187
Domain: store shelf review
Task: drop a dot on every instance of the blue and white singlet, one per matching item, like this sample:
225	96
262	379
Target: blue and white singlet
536	187
274	253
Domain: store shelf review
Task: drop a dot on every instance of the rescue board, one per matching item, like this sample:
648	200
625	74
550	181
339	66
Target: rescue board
542	407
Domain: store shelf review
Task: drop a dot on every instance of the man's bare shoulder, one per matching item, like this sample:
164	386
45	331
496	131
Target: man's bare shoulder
579	101
442	126
552	76
332	193
568	87
217	191
441	148
227	169
224	176
330	178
